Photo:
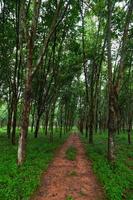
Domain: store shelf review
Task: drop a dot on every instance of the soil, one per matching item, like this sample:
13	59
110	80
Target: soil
70	180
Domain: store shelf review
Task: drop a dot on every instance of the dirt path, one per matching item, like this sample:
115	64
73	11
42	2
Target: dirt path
66	178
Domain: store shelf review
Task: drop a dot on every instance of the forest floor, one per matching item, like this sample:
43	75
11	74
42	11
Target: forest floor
70	175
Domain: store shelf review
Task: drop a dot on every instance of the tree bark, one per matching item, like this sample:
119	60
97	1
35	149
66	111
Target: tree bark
46	122
129	130
111	111
28	82
9	122
25	122
61	120
37	126
26	108
14	123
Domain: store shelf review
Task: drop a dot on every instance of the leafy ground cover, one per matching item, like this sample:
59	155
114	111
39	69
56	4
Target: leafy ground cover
71	153
117	180
19	183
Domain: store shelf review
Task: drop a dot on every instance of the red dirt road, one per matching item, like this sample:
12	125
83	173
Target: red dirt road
66	178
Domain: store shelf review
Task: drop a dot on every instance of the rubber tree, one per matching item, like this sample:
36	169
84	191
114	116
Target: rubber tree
32	68
114	85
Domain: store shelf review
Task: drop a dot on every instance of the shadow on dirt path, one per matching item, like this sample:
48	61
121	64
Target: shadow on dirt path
70	180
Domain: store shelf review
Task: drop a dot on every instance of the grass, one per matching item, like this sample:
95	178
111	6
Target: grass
69	197
82	193
71	153
73	173
118	180
19	183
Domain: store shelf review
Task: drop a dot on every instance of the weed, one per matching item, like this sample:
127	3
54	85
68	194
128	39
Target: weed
117	181
73	173
20	183
69	197
71	153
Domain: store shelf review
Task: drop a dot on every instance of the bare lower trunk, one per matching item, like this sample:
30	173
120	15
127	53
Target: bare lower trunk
46	122
91	134
25	123
61	122
9	123
111	147
52	125
61	131
81	126
37	127
14	120
33	120
129	130
91	121
112	126
129	137
14	126
86	126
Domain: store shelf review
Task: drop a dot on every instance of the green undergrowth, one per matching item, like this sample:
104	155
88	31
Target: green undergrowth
72	173
117	180
71	153
19	183
69	197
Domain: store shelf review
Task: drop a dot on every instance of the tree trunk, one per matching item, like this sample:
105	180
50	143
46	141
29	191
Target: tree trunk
129	130
26	107
33	119
61	121
52	125
129	137
91	112
81	126
86	126
112	125
9	122
37	126
25	122
14	125
46	122
14	122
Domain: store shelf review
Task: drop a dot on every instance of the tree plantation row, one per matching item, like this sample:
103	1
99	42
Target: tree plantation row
64	64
